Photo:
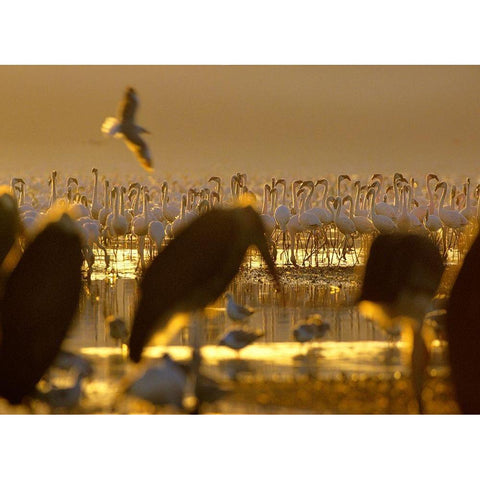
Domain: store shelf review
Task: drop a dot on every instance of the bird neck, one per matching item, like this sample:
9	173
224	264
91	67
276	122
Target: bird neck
95	184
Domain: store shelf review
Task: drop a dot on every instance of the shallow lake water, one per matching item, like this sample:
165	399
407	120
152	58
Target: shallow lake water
354	347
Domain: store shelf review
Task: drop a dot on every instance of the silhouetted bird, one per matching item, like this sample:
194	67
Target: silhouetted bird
195	268
39	302
463	331
117	328
402	274
10	224
125	127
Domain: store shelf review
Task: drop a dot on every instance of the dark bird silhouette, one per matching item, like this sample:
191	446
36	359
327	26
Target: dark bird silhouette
402	274
117	328
195	268
10	225
38	304
463	332
125	127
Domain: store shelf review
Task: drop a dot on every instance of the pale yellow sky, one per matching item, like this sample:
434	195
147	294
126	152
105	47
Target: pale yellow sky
307	120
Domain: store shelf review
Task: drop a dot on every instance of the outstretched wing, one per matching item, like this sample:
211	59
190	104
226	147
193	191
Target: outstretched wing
463	332
128	107
139	147
39	303
111	126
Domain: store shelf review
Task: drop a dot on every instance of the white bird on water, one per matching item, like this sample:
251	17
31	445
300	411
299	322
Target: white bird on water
125	127
235	311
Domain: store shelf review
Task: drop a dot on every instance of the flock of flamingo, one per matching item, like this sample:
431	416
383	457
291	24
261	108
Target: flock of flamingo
306	222
192	238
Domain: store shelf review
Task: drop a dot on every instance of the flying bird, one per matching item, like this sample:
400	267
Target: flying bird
124	127
195	268
38	305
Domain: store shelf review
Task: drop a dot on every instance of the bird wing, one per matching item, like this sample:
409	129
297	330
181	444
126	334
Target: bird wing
39	302
139	147
128	107
111	126
243	310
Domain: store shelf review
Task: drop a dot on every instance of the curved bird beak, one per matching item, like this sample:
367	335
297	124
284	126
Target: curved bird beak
256	229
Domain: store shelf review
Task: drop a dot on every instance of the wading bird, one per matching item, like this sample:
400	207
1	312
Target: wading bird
211	250
238	339
313	328
463	332
402	274
10	225
125	127
38	304
117	328
235	311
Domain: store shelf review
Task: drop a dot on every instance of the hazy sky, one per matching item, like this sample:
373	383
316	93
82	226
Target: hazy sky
310	120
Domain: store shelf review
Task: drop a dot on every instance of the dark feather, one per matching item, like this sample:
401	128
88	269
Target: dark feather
39	303
195	269
9	224
463	331
139	147
128	107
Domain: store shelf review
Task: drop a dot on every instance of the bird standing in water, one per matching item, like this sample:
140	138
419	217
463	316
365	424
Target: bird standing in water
238	339
235	311
37	307
212	248
125	127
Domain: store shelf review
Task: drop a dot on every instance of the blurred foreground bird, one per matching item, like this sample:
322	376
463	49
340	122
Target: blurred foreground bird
125	127
463	332
9	222
194	270
62	398
235	311
71	361
163	384
38	304
402	274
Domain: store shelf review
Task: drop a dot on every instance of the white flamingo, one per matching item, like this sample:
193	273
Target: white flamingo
383	223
